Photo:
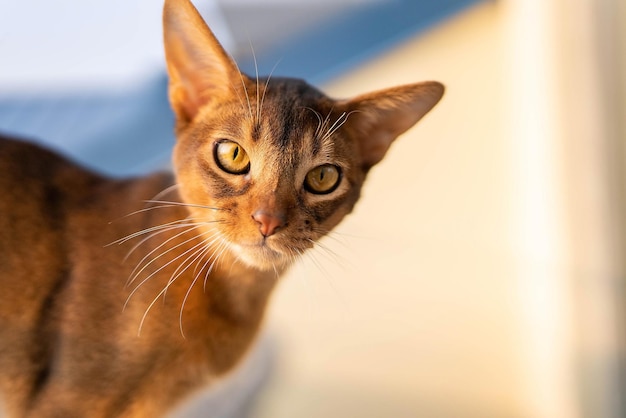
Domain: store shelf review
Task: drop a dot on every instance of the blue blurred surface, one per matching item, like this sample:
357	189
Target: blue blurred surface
117	133
351	37
129	131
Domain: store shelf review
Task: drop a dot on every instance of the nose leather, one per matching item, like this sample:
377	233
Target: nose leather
268	223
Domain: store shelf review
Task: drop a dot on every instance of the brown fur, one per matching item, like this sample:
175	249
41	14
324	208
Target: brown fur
83	332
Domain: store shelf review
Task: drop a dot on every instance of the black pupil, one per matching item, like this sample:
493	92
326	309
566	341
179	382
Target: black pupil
235	153
322	175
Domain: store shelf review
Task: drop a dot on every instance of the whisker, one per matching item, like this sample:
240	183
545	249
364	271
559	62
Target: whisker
330	254
154	234
156	298
245	89
332	127
258	93
232	60
236	90
265	88
189	205
148	209
217	255
336	237
305	278
163	204
341	120
295	255
172	280
327	119
316	262
160	268
165	191
214	238
319	121
200	253
134	274
184	265
141	211
217	252
147	231
326	275
182	306
342	234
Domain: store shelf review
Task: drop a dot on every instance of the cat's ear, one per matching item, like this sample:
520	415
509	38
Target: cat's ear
199	69
377	118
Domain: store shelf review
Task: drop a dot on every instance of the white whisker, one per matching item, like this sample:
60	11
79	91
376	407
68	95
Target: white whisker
183	222
315	261
327	119
161	268
216	255
183	266
197	253
189	205
319	121
266	87
341	120
214	238
332	127
232	60
153	235
245	89
258	93
327	251
326	275
134	274
165	191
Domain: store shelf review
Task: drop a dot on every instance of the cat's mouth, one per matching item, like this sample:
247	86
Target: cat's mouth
262	255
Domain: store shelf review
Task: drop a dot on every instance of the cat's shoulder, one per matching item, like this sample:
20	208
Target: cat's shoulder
29	166
23	156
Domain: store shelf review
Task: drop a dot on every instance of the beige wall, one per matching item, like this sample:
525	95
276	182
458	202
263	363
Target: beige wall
461	286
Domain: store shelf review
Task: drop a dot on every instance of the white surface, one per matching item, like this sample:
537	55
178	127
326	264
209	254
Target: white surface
77	44
545	307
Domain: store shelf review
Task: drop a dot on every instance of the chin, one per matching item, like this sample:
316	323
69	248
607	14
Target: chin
261	257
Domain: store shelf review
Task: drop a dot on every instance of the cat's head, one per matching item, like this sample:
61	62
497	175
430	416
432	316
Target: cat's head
281	162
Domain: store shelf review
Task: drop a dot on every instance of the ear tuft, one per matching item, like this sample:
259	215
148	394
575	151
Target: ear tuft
199	69
378	118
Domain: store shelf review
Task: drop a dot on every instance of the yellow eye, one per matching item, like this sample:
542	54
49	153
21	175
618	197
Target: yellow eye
323	179
231	158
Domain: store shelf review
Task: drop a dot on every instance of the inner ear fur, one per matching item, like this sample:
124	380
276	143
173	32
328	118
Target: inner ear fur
378	118
199	68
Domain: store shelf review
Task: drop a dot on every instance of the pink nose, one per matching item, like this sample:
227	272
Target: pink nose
268	223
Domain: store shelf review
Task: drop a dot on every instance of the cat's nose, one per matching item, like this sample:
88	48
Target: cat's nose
268	223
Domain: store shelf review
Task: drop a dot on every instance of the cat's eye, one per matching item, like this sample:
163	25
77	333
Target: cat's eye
323	179
231	157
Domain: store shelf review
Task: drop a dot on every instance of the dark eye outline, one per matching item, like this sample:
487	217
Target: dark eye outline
243	171
331	189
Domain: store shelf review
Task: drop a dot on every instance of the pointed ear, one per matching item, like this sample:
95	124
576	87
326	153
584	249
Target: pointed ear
199	69
377	118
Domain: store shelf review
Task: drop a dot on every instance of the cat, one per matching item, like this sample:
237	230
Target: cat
120	298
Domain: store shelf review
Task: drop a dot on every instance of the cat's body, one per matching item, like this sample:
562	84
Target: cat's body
61	341
98	322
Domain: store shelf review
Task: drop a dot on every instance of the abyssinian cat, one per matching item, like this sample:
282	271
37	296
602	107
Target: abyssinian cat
114	307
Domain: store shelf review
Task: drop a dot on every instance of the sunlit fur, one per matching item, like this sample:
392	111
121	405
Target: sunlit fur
283	145
122	297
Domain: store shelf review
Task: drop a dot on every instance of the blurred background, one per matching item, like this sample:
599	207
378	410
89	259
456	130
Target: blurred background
482	273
